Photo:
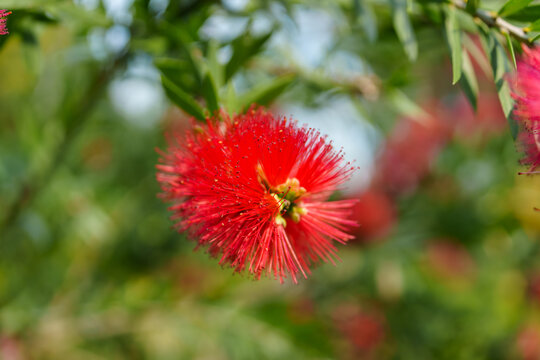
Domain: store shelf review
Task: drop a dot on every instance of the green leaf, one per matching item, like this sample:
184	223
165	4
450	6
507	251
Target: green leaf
513	6
210	93
182	99
406	106
244	48
535	38
478	55
78	14
468	81
265	93
511	48
403	27
178	71
27	4
528	14
453	35
367	18
535	26
472	6
230	99
500	66
180	37
214	67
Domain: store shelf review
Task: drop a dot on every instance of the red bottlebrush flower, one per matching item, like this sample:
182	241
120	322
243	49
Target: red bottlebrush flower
3	18
376	215
450	259
488	120
364	329
533	288
528	343
253	189
526	92
407	156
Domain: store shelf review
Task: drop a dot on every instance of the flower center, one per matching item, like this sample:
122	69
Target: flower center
287	195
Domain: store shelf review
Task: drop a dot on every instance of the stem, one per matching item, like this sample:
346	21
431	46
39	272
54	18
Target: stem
492	20
82	111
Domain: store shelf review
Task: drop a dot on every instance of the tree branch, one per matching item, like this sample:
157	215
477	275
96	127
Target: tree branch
495	21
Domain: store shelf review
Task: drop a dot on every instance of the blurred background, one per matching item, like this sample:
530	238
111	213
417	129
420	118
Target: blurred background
446	261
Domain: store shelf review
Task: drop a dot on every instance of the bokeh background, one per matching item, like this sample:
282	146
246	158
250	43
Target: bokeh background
446	263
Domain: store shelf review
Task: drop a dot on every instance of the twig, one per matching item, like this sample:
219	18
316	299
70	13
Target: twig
492	20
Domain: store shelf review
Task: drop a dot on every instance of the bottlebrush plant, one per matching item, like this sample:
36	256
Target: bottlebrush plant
254	189
3	19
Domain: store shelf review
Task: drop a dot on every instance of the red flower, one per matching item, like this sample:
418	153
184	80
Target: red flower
254	190
528	343
409	152
488	120
3	19
362	328
376	215
450	259
526	92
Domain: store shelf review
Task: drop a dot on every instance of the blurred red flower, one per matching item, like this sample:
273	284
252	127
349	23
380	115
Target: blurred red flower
365	330
528	343
449	259
3	19
533	288
375	214
253	188
10	348
409	152
526	92
488	119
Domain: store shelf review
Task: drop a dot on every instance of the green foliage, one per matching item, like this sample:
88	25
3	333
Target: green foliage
453	36
243	49
528	14
91	266
403	27
468	81
265	93
501	67
182	99
513	6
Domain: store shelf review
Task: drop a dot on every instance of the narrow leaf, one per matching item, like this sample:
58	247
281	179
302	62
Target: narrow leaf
244	48
500	66
471	6
230	99
367	18
511	49
177	71
513	6
182	99
478	55
453	35
406	106
535	26
181	38
26	4
210	93
403	28
215	68
468	81
528	14
265	93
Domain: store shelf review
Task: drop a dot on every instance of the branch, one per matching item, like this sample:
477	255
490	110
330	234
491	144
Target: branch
495	21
